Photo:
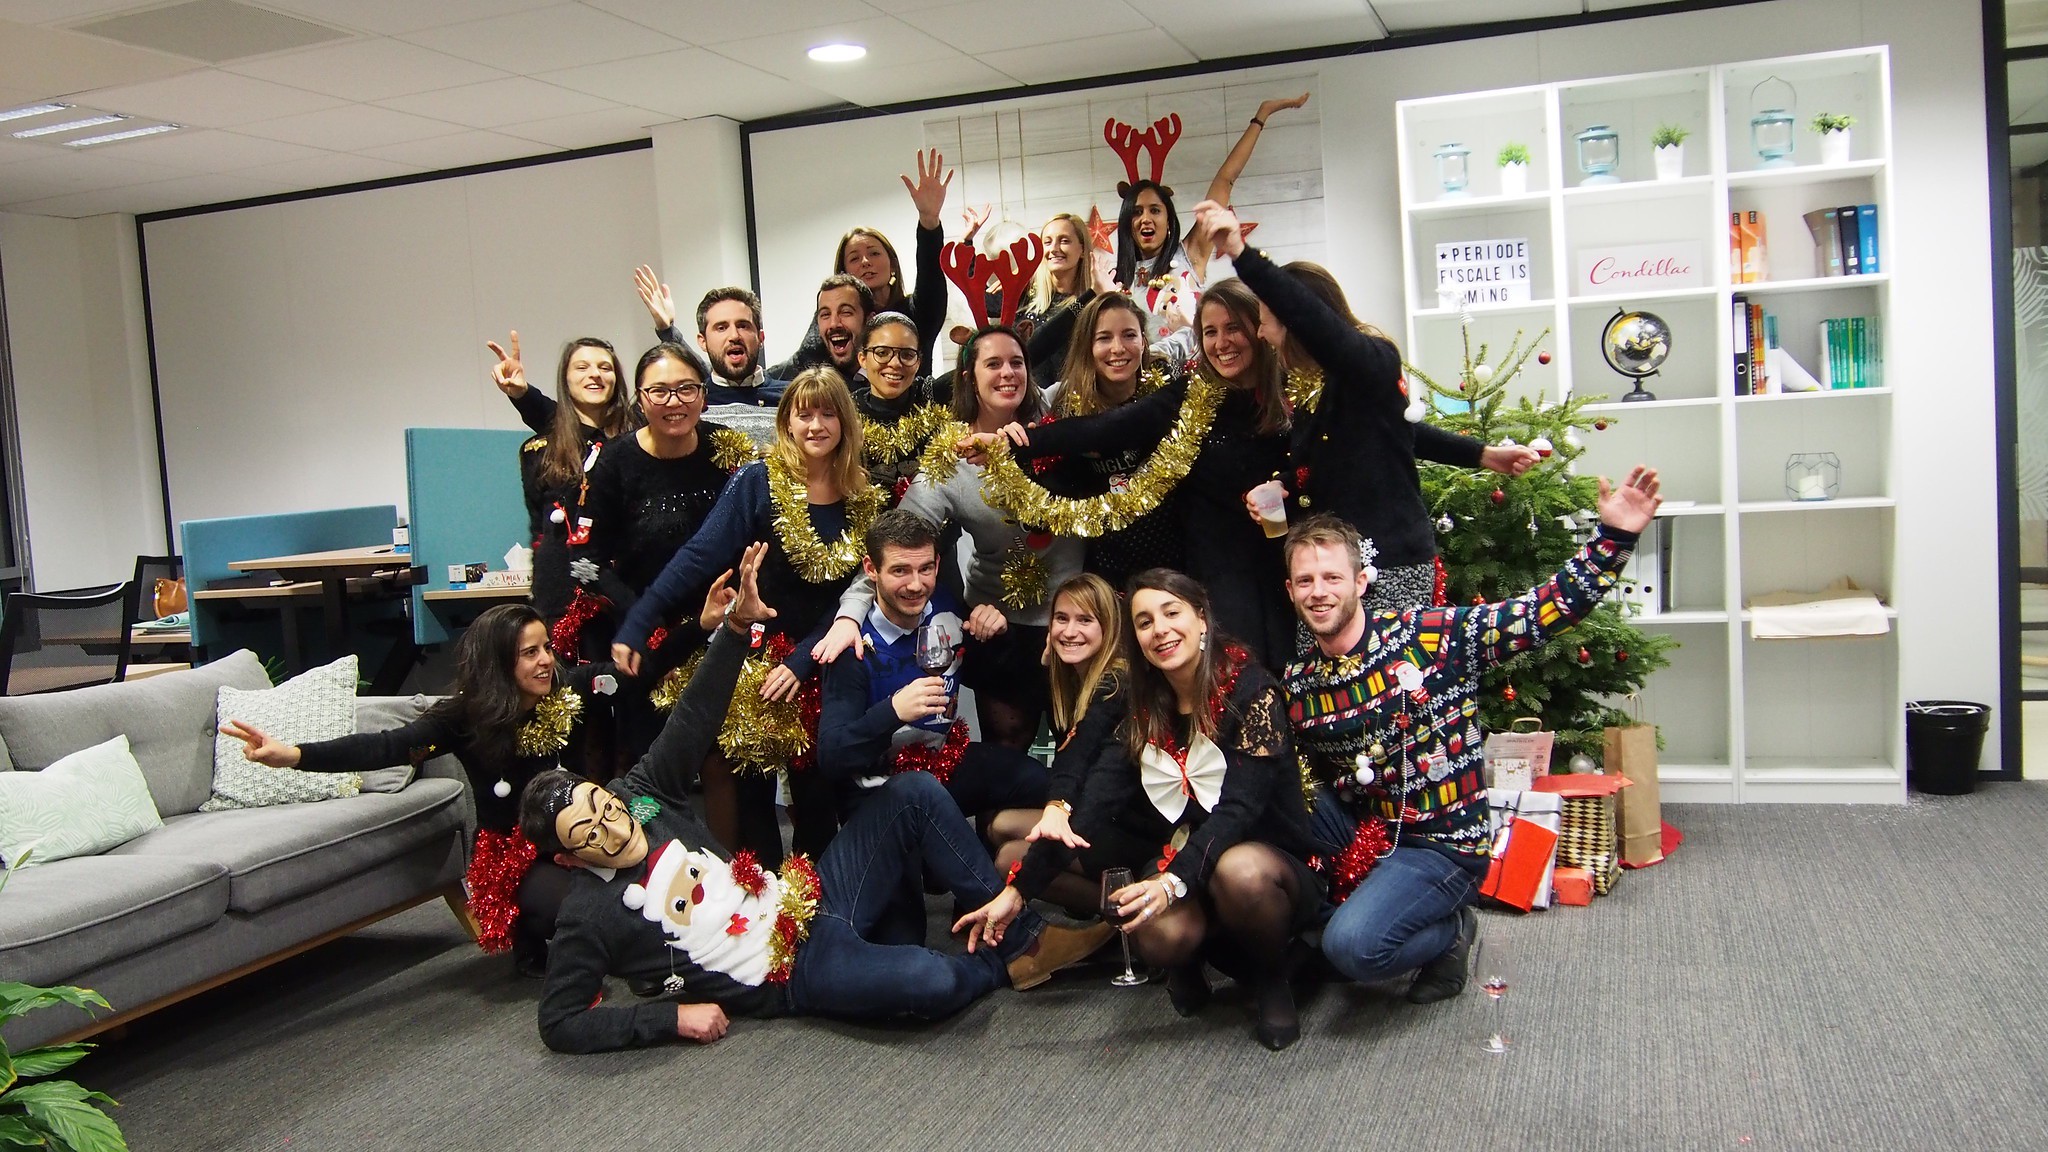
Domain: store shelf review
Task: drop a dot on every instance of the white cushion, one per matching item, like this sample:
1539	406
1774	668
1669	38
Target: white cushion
318	704
82	805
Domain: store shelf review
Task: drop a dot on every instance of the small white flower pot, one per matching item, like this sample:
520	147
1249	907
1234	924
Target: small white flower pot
1670	161
1834	147
1514	179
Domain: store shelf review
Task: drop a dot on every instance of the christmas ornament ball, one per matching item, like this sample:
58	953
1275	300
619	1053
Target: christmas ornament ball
1508	693
1599	425
1621	657
1543	357
1585	657
1542	446
1499	496
1583	765
1443	524
501	789
1482	373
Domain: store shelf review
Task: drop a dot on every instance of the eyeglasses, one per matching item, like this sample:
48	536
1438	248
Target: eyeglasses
883	353
681	394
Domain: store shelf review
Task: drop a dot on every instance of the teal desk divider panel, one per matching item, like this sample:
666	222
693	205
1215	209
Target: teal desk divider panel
211	545
466	506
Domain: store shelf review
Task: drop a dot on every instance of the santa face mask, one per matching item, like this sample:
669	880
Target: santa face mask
598	829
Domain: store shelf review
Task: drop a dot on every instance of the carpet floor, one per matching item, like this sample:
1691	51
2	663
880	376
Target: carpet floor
1792	978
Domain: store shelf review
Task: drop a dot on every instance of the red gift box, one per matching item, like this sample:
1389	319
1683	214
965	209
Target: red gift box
1573	886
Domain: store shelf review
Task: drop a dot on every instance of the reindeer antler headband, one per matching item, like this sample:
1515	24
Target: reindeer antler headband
970	271
1126	141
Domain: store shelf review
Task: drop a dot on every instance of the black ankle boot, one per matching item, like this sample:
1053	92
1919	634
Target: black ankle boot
1444	977
1187	989
1279	1022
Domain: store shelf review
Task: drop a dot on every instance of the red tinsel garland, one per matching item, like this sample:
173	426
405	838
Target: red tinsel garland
937	759
1040	465
746	872
566	635
1437	598
1228	669
1349	868
801	890
496	867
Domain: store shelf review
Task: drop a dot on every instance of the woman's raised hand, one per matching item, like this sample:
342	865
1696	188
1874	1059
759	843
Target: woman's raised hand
261	749
655	295
1269	107
508	374
1220	225
974	218
929	193
1102	271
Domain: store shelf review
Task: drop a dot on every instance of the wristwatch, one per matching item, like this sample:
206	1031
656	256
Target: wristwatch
1062	805
1175	886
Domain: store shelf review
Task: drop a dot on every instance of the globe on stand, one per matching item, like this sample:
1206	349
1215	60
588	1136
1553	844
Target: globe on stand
1636	344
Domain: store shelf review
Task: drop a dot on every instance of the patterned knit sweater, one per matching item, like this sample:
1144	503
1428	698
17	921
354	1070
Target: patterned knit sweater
1409	688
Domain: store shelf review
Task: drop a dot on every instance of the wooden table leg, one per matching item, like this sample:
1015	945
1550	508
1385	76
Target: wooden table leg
334	606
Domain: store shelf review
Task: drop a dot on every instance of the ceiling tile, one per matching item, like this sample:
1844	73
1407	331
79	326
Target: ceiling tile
351	127
50	62
890	44
209	98
948	76
1100	56
982	27
459	151
330	170
1216	28
58	11
590	129
901	6
158	196
66	173
368	70
395	17
706	22
512	100
1422	15
205	150
567	36
691	82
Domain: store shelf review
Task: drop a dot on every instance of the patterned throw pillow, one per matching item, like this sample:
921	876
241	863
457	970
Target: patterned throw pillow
84	804
318	704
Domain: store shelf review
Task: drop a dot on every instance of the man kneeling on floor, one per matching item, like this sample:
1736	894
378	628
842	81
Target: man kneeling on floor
657	901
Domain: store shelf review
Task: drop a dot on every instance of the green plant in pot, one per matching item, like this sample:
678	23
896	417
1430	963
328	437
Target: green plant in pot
54	1114
1514	169
1834	136
1668	150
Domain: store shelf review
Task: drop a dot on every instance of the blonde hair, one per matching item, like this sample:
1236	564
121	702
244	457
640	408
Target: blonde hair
1074	689
1044	294
822	387
1080	384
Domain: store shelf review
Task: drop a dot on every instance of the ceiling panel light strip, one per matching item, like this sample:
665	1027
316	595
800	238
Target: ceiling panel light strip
31	110
130	134
67	126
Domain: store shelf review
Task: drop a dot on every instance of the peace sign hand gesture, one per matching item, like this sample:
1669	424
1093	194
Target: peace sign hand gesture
508	374
929	193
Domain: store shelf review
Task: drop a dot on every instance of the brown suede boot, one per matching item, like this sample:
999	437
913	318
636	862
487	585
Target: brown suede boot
1055	948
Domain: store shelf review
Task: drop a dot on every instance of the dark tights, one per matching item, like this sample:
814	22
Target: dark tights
1242	925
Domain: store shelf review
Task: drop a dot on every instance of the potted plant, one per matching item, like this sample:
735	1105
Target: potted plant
1514	169
54	1114
1834	136
1669	142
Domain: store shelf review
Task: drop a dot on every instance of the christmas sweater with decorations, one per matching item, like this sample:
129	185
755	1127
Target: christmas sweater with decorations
639	508
859	734
1404	699
896	428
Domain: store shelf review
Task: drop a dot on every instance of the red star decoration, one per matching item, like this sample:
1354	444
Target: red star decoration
1244	229
1100	232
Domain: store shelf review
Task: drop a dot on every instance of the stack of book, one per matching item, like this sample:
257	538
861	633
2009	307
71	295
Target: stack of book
1851	354
1748	248
1845	240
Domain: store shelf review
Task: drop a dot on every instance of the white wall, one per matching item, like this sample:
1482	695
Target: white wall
81	380
295	342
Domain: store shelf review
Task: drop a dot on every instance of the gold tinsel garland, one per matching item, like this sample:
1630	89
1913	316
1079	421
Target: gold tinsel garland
761	735
665	694
1304	388
941	452
814	560
1006	486
548	731
732	449
1025	576
1151	380
793	911
884	444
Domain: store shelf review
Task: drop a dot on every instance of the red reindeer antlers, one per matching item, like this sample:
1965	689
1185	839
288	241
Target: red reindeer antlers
970	272
1158	140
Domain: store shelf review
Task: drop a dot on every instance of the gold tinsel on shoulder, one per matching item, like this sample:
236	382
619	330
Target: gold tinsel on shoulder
884	444
1304	388
534	444
1150	380
732	449
553	718
941	458
814	559
760	735
1025	576
1005	485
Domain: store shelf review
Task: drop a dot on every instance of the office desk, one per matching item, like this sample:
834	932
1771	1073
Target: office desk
329	572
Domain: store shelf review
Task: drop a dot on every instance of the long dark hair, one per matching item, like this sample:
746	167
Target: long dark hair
562	461
899	297
486	704
1127	245
1153	703
1080	381
1317	279
967	390
1267	378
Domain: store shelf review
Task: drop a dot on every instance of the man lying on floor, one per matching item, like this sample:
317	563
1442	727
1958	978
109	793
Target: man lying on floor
724	935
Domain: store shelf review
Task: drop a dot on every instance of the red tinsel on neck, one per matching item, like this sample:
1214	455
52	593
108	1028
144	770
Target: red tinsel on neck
746	872
937	759
1228	668
496	866
1350	866
566	635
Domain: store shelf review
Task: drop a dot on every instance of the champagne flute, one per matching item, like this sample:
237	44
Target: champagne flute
934	654
1496	969
1113	881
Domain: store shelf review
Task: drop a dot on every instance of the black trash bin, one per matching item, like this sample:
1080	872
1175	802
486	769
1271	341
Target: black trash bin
1944	739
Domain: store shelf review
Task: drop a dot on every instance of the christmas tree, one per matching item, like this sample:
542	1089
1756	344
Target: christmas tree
1500	536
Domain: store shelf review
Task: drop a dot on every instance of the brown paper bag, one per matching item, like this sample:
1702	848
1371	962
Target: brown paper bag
1631	751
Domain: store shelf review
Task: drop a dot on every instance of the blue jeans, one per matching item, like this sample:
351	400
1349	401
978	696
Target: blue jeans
1403	915
910	823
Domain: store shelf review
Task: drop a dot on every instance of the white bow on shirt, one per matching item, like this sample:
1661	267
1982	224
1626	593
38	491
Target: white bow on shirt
1164	781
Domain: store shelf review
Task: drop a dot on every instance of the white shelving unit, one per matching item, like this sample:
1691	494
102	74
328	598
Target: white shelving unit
1743	720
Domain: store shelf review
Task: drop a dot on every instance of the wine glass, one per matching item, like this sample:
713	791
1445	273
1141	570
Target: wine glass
1496	969
934	654
1113	881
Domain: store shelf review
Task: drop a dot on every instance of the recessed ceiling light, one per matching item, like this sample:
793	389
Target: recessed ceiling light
67	126
837	53
31	110
130	134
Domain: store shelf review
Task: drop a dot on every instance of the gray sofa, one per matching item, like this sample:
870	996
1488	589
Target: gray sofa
210	895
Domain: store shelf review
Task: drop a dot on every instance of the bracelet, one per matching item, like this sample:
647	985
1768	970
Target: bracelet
1259	122
1062	805
1166	890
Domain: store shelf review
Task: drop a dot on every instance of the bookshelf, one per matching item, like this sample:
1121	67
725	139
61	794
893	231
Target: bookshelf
1743	720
